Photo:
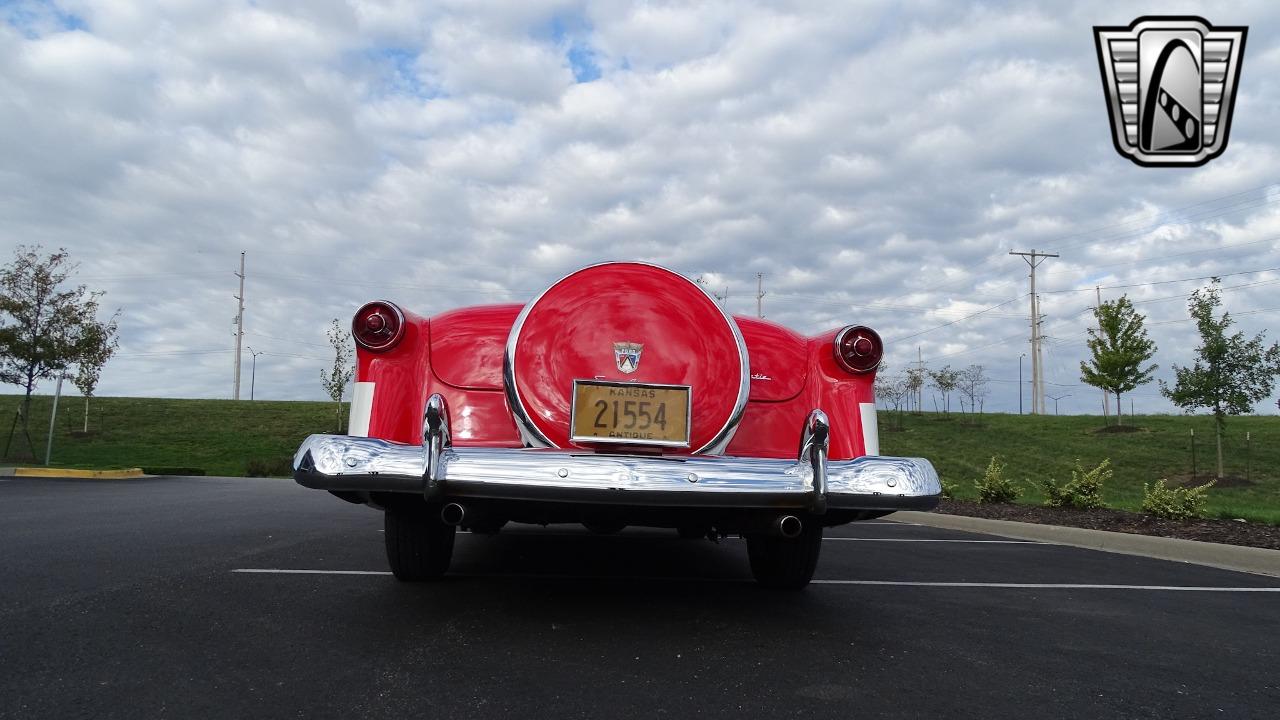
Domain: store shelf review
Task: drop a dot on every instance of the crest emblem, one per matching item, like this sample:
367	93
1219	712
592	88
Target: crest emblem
627	355
1170	84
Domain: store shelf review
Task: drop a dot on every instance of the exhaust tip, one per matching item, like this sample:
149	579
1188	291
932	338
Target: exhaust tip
789	526
453	514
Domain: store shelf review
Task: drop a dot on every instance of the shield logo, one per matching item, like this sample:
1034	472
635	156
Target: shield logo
627	355
1170	84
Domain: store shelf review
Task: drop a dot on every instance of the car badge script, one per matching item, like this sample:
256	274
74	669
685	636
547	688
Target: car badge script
627	354
1170	84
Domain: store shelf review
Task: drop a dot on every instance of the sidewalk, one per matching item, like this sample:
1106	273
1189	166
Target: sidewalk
1227	557
51	472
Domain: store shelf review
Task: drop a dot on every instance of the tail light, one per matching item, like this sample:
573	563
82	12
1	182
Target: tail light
858	349
378	326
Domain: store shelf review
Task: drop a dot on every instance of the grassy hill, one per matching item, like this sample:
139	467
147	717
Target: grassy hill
1046	446
219	436
223	437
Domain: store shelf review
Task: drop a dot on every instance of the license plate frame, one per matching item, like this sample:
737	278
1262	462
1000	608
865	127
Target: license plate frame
588	392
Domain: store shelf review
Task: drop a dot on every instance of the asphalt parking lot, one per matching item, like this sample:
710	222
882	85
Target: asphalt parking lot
181	597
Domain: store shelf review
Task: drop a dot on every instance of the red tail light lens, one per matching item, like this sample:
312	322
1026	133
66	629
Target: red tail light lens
378	326
858	349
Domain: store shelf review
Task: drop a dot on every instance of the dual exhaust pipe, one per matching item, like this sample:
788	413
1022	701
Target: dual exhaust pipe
453	514
787	526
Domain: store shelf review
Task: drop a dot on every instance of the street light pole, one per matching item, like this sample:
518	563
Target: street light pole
1020	382
253	370
1055	402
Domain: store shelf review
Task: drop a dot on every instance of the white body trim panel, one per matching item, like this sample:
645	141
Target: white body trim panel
870	428
361	409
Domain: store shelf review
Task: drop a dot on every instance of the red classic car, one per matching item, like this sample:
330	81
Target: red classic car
622	395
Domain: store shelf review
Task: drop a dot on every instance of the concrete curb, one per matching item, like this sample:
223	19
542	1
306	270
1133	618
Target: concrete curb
78	474
1227	557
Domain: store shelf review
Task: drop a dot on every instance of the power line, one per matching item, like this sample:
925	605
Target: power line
1164	282
957	320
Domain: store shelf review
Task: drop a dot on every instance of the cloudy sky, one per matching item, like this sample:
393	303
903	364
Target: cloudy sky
875	161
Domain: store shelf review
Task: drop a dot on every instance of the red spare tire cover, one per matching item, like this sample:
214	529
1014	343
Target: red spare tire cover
568	333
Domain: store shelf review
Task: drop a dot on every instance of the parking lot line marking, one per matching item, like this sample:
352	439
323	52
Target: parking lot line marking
996	542
282	571
877	583
1050	586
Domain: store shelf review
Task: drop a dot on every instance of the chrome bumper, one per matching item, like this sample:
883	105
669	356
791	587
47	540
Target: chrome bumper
435	469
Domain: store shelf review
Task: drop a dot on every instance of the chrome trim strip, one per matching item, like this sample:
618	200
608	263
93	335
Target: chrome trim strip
688	412
531	436
720	442
339	462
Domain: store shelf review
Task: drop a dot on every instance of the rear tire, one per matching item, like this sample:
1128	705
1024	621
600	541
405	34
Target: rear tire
419	545
785	563
605	527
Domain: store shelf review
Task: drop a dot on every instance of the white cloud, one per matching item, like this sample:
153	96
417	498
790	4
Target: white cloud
876	161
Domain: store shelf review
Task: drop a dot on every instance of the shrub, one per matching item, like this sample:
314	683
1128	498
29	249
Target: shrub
273	467
1178	503
949	489
1083	491
993	486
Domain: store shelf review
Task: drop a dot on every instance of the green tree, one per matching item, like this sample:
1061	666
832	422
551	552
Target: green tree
97	345
1231	372
894	391
336	378
946	381
43	326
915	378
1120	349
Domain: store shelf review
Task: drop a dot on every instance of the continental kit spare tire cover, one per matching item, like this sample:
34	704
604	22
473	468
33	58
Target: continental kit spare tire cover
632	323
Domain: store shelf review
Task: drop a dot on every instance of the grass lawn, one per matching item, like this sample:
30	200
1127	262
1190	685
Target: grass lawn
1046	446
219	436
223	437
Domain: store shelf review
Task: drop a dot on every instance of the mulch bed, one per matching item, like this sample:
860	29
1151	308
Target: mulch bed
1231	532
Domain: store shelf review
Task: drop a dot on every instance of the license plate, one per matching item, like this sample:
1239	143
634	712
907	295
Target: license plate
630	413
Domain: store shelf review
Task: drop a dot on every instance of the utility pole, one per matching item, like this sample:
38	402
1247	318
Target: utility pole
235	393
1033	260
253	370
759	294
920	370
1106	412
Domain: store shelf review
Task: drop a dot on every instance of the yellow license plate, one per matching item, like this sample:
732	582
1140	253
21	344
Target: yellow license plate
630	413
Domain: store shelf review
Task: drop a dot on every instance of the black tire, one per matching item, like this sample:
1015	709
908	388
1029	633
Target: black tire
693	532
785	563
419	545
604	527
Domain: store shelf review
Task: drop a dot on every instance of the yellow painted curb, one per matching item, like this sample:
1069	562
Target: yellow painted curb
84	474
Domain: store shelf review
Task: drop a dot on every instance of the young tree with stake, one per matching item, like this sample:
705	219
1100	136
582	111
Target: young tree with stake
1230	373
97	346
43	326
1120	347
946	381
336	378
